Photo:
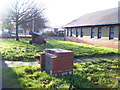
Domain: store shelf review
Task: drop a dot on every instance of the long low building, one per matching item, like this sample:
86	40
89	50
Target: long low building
98	28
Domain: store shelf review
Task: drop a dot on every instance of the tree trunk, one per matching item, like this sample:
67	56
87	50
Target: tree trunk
9	32
25	32
17	37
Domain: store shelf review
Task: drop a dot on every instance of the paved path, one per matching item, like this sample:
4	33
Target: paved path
18	63
36	63
95	58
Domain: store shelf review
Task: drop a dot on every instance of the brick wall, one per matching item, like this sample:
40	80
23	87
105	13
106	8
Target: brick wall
113	43
15	37
61	62
103	41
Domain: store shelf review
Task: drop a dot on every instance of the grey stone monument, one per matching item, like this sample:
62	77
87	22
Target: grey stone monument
36	38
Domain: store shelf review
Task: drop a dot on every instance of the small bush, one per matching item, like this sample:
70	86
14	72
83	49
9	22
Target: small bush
53	34
60	34
49	34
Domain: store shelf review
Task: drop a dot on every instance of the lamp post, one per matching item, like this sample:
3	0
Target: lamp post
33	25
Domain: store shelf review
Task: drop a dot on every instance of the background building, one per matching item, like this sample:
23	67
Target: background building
98	28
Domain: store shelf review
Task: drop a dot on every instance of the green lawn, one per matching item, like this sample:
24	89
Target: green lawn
15	50
96	74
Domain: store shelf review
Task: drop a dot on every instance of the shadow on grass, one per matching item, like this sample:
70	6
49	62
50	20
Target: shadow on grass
9	77
78	82
96	55
25	40
11	80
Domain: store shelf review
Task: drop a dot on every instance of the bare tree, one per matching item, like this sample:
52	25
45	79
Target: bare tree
39	23
21	12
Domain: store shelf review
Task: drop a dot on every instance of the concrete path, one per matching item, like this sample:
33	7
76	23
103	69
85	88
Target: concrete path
95	58
36	63
18	63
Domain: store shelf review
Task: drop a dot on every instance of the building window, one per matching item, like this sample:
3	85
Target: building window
76	32
20	31
119	35
82	32
111	33
99	32
71	32
67	32
92	32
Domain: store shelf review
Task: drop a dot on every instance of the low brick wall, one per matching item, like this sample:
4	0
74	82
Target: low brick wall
113	43
15	37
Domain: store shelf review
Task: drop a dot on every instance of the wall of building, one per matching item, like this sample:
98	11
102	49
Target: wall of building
103	41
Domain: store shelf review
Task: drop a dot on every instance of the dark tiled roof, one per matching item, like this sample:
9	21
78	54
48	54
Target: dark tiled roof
104	17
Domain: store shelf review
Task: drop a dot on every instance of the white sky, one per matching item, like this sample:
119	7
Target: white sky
61	12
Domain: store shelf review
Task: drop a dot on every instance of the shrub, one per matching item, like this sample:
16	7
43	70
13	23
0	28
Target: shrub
60	34
49	34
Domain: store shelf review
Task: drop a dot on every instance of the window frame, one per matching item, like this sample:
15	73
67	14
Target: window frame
70	32
92	32
82	32
99	32
76	32
119	36
111	32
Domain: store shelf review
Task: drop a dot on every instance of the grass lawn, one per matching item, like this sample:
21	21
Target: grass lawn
95	74
15	51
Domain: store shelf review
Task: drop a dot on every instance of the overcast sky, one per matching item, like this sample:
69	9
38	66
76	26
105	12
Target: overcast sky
61	12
